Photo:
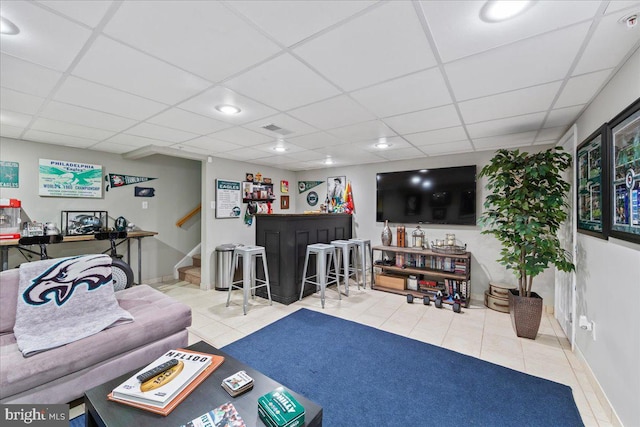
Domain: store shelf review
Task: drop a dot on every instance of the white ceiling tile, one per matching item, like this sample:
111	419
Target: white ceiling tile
315	140
63	128
161	133
206	102
415	92
26	77
538	98
507	68
439	136
447	148
420	121
401	153
83	116
91	95
292	21
8	131
580	89
134	141
332	113
283	82
601	53
19	102
617	5
367	130
212	42
563	116
111	147
386	42
57	139
89	12
459	31
212	145
504	141
45	38
189	122
551	133
244	154
509	125
118	66
284	121
11	118
307	155
241	136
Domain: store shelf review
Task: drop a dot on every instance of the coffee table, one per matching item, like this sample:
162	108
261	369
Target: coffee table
101	412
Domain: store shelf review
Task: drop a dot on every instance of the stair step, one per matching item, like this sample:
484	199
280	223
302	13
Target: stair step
190	274
197	260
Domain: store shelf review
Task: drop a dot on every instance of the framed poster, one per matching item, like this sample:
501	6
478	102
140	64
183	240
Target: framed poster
284	202
625	174
228	198
59	178
591	181
9	174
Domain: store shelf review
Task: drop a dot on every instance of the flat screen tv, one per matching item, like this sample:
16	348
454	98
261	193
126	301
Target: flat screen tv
427	196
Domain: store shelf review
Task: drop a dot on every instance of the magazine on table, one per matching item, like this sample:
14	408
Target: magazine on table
237	383
162	388
223	416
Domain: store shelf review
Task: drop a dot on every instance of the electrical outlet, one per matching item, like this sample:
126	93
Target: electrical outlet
145	205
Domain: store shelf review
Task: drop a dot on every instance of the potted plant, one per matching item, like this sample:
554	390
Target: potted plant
524	210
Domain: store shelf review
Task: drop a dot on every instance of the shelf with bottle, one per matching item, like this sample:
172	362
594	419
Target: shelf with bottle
257	192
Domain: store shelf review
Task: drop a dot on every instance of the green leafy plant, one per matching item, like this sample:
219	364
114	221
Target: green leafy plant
525	209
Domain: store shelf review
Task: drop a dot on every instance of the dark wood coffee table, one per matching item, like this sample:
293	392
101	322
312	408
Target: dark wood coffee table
104	413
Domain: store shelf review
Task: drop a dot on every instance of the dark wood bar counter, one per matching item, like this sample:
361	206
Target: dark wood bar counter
285	239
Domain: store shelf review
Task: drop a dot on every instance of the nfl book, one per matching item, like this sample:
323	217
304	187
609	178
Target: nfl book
237	383
223	416
279	408
179	393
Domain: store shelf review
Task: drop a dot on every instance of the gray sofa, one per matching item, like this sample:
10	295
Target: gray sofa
62	374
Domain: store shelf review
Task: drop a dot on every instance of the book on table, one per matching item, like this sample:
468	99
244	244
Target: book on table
165	391
237	383
223	416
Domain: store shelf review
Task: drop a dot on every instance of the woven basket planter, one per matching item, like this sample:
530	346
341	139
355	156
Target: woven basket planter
526	313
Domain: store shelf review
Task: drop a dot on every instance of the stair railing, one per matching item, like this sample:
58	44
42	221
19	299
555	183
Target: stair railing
188	216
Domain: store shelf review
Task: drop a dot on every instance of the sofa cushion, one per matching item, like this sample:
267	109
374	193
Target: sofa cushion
155	316
9	280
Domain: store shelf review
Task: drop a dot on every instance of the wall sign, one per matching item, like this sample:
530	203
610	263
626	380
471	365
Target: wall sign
59	178
228	198
312	198
9	174
592	190
120	180
307	185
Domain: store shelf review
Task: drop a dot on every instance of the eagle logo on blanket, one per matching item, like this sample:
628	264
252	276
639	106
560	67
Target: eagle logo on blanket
62	278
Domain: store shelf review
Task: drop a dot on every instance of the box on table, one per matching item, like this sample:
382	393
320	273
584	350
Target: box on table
279	408
391	281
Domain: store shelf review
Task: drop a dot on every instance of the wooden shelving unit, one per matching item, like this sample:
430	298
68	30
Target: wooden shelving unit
425	264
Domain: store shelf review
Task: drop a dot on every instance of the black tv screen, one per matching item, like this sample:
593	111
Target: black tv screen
428	196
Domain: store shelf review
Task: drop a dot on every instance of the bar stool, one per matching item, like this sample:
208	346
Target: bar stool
361	247
249	255
348	251
324	255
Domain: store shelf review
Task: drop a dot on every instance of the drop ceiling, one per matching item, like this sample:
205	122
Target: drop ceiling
429	77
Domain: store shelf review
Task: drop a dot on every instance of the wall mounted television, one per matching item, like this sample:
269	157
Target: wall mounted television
427	196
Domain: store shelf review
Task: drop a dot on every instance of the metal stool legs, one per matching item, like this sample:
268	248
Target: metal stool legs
249	281
324	255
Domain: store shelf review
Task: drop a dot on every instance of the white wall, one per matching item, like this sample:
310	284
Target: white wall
177	192
484	249
608	276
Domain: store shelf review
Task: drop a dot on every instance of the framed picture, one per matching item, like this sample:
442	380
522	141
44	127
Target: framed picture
284	186
284	202
625	174
335	188
592	184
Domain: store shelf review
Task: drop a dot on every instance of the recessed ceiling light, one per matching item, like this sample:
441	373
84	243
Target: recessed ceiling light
7	27
280	148
382	145
501	10
328	161
228	109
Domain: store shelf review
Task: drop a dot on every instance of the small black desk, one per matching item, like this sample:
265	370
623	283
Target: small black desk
104	413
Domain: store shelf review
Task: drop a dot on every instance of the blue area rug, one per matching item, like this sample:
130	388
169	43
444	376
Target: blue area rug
362	376
77	421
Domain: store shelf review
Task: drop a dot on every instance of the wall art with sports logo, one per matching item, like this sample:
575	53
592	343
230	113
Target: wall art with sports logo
625	174
592	189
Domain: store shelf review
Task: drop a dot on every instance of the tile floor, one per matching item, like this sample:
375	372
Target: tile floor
477	331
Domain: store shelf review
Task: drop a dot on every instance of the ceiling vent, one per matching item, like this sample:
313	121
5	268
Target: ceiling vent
276	129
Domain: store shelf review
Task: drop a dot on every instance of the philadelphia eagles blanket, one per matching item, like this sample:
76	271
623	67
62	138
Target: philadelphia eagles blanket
63	300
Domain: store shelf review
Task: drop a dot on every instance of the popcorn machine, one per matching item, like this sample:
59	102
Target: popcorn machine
9	219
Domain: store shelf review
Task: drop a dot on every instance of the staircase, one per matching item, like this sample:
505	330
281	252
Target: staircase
191	273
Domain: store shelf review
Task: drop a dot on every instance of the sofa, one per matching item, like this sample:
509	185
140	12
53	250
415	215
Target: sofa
63	374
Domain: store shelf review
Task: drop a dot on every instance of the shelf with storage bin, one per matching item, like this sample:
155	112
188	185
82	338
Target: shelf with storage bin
434	271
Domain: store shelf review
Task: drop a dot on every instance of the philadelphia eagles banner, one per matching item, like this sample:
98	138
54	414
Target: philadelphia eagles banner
120	180
307	185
